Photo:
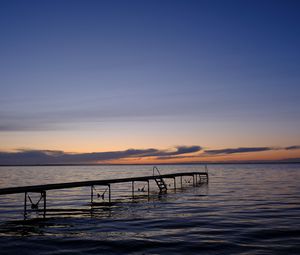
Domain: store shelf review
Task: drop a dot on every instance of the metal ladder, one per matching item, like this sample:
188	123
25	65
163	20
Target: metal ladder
160	181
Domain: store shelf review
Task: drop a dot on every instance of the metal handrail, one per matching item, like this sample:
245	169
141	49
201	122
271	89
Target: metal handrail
155	168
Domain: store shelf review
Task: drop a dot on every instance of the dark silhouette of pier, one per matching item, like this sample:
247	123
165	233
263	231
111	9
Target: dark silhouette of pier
197	177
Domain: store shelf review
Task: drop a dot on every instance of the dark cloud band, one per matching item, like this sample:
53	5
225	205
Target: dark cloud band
295	147
35	157
238	150
30	157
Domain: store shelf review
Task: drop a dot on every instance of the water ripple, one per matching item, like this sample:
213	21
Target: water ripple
251	209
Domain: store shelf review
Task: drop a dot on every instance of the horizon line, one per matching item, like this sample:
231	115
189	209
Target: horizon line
161	164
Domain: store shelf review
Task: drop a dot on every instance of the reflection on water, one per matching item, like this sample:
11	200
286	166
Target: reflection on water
245	209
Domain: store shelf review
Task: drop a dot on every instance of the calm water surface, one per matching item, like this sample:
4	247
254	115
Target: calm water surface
245	209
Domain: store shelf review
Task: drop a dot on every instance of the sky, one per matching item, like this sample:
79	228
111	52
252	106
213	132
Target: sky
149	81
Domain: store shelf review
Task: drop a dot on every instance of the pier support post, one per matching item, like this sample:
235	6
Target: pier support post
109	194
35	206
181	180
132	184
25	205
44	198
148	189
92	194
174	183
193	180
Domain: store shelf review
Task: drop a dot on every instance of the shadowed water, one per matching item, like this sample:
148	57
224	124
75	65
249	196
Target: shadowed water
245	209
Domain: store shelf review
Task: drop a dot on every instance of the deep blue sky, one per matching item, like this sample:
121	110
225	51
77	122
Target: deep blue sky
214	73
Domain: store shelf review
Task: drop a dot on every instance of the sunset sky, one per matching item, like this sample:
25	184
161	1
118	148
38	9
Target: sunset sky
149	81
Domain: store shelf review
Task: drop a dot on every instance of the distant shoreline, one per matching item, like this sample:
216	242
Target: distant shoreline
165	164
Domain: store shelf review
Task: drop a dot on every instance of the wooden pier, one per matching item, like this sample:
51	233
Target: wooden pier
197	177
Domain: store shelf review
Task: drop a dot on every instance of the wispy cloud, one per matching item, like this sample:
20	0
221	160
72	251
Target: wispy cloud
228	151
33	157
294	147
238	150
60	157
180	150
46	116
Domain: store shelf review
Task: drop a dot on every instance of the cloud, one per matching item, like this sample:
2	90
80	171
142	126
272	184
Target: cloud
238	150
178	157
44	116
33	157
295	147
179	151
36	157
187	149
290	160
248	150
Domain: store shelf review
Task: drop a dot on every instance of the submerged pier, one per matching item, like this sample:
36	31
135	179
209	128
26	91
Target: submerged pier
197	179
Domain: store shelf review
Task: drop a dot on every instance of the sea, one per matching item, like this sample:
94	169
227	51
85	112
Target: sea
243	209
